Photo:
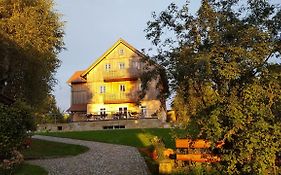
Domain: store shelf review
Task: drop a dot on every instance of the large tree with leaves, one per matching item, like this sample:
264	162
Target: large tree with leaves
30	38
223	65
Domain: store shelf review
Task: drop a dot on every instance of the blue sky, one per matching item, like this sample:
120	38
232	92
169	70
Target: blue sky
92	26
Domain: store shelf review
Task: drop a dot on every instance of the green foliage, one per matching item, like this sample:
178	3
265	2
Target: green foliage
159	147
30	39
49	112
16	120
197	168
218	62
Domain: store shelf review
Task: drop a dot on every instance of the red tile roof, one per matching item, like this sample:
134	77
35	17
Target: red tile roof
78	108
76	78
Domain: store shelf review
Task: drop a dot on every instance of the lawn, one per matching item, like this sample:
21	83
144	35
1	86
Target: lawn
132	137
45	149
27	169
41	149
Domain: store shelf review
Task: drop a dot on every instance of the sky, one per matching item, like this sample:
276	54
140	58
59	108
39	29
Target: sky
93	26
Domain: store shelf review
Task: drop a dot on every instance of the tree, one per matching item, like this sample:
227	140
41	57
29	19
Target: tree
219	63
49	112
30	38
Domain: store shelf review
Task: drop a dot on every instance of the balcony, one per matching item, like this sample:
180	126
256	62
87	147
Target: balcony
119	98
121	75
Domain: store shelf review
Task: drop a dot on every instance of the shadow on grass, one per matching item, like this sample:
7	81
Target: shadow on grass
41	149
27	169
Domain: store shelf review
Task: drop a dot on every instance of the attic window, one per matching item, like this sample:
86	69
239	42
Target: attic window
121	52
107	67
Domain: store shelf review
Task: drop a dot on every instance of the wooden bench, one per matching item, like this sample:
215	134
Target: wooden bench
195	150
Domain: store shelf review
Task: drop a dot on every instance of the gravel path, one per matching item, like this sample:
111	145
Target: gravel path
101	159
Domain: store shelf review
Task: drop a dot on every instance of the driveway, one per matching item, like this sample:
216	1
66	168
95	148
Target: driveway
102	158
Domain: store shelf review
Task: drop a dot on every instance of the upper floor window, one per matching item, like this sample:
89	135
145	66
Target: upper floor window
121	52
121	65
140	87
136	65
122	88
102	89
107	67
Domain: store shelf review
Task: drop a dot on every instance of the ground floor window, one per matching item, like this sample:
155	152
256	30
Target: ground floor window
102	112
143	111
123	112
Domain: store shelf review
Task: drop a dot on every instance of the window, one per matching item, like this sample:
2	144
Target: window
122	88
102	112
89	96
121	65
121	52
143	111
59	128
140	87
123	112
102	89
136	64
107	67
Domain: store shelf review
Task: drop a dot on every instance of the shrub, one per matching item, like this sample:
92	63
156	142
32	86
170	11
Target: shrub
15	122
159	147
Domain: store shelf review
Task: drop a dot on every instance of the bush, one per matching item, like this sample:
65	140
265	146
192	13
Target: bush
159	147
15	122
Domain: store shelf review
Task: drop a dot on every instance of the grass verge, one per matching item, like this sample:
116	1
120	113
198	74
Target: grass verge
27	169
41	149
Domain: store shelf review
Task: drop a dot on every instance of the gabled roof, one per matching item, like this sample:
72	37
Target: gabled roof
77	108
108	52
76	78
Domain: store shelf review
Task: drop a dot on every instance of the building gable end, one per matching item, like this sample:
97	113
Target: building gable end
110	50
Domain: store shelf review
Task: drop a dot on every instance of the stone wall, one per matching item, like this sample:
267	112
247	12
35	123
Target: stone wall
101	125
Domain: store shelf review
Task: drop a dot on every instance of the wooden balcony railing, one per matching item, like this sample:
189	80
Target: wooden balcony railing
119	98
121	75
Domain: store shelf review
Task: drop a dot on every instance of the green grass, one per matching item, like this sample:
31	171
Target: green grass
27	169
132	137
45	149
